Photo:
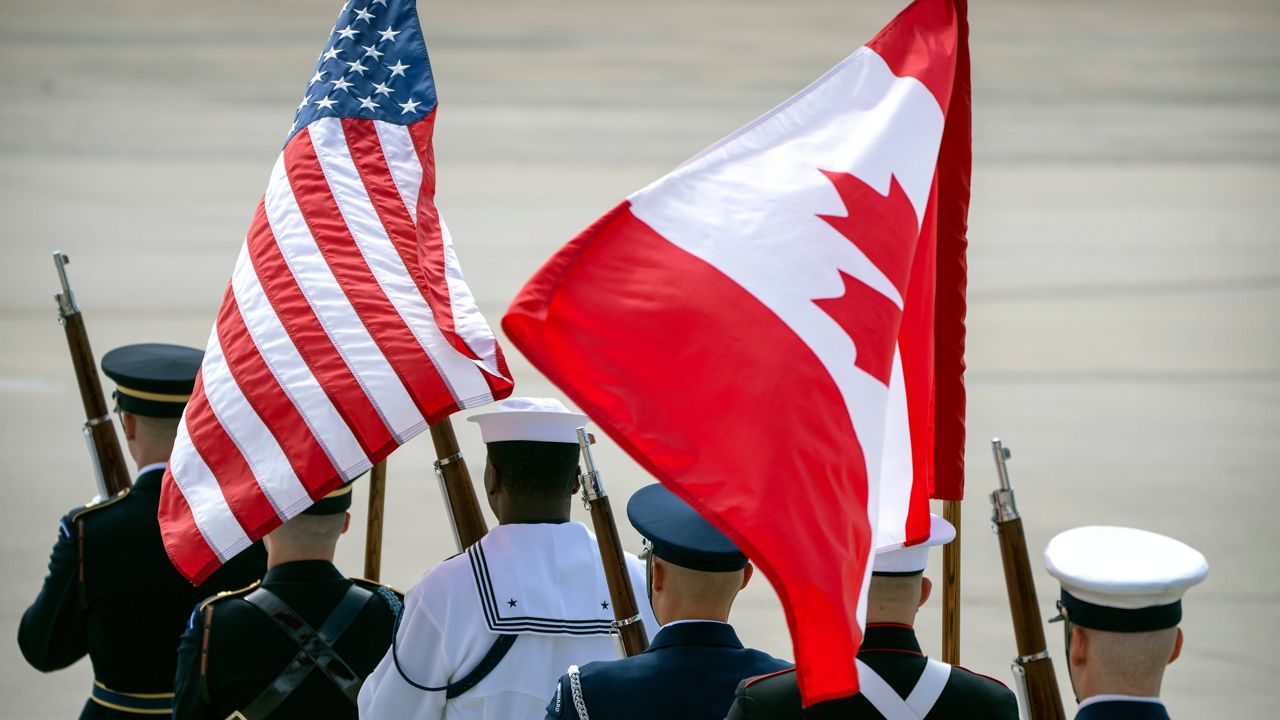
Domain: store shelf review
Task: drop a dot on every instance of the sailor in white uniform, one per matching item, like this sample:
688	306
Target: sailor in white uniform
486	632
1121	604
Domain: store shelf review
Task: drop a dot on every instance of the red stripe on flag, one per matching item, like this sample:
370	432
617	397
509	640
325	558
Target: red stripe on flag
430	239
306	456
380	318
222	456
621	315
183	541
915	343
311	341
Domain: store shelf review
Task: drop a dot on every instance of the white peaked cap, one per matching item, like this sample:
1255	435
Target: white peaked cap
536	419
914	558
1123	568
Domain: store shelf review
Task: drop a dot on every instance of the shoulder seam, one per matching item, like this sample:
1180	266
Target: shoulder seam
366	582
775	673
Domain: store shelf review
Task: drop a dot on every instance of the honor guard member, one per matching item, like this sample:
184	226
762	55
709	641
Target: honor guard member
297	645
897	680
695	661
111	590
485	633
1120	606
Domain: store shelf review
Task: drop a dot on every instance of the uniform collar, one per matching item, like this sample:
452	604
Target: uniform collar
150	476
696	632
303	571
1118	698
890	637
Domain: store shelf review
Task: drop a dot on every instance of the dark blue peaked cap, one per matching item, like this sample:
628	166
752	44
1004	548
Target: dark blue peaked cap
153	379
679	535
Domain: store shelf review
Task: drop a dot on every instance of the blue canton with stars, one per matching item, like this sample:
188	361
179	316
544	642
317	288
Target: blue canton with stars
374	67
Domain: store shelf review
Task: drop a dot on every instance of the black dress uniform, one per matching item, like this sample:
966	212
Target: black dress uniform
297	645
691	667
893	653
111	591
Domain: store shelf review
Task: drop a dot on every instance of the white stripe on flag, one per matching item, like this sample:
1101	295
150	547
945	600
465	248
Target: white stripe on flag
292	374
460	374
896	474
209	508
406	172
267	461
402	161
340	321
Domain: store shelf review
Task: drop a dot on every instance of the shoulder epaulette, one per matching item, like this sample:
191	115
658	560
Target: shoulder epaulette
91	507
227	594
368	584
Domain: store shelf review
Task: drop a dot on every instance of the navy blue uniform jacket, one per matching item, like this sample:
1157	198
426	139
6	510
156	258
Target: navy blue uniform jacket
689	671
1123	710
112	593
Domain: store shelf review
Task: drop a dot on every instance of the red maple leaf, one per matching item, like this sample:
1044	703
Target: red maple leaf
885	229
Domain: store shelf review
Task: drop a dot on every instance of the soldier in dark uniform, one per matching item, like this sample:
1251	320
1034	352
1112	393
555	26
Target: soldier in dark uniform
695	661
297	645
1120	606
111	590
897	679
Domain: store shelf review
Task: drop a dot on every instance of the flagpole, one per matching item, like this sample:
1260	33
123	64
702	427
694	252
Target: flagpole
951	587
455	483
373	527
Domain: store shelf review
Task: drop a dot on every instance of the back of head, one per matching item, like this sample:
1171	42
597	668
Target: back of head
1132	662
895	598
536	470
306	537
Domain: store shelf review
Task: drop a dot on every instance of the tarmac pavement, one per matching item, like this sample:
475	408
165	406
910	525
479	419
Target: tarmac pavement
1124	331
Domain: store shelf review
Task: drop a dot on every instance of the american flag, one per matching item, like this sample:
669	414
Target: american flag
347	326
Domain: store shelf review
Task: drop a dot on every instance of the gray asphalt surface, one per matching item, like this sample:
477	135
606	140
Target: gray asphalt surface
1125	266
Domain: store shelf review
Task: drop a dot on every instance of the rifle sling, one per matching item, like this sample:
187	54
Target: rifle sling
315	648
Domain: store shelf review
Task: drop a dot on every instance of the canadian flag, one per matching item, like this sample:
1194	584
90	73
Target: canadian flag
775	329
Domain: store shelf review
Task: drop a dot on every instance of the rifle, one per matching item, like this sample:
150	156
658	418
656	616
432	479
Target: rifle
99	433
1033	675
455	482
628	631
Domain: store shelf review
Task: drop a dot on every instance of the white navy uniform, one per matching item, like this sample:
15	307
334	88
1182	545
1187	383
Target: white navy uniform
542	584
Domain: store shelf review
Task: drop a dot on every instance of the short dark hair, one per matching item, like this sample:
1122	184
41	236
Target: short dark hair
535	469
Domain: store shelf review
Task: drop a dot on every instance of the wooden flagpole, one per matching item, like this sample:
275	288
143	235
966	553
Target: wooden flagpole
373	528
951	587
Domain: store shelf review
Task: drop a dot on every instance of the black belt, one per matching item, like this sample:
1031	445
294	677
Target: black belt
315	648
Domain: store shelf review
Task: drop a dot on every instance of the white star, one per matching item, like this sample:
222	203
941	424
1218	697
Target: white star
318	76
341	84
331	54
356	67
372	50
364	15
411	106
381	89
305	101
347	33
397	69
368	103
389	34
325	103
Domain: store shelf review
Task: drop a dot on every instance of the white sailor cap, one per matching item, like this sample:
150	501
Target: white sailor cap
1121	579
524	418
912	560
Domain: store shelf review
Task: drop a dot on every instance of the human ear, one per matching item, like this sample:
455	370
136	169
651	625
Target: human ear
747	572
1079	646
1177	647
130	424
926	590
346	522
659	575
492	483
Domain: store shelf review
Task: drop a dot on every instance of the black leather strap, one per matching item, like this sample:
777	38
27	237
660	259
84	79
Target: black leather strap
315	648
496	652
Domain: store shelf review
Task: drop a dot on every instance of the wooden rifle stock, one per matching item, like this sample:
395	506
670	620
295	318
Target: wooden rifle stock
108	460
455	482
1033	668
630	633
